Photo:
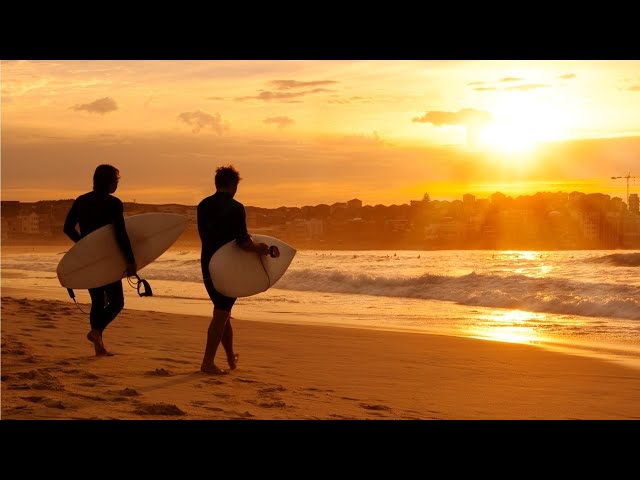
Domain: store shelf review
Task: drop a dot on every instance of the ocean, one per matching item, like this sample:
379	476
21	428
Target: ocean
578	302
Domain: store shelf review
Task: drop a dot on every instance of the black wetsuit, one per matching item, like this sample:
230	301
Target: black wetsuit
91	211
220	220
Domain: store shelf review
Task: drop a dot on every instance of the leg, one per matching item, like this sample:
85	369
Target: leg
217	331
214	336
96	318
227	343
115	303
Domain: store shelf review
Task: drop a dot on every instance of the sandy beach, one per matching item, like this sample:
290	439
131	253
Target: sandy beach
301	372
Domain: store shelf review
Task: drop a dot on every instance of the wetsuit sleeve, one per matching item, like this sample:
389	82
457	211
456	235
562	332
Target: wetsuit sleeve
70	224
243	235
121	232
203	227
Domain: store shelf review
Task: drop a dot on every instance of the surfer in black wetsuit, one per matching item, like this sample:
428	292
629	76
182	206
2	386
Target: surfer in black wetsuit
222	219
91	211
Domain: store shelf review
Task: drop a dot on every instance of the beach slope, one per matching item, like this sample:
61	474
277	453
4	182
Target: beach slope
49	371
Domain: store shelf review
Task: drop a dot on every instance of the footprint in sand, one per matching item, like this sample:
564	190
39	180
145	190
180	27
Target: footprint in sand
127	392
53	404
237	415
160	372
213	381
158	409
245	380
33	399
276	404
19	386
88	397
368	406
268	390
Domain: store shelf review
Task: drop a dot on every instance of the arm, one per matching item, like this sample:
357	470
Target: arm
245	241
70	224
250	246
123	239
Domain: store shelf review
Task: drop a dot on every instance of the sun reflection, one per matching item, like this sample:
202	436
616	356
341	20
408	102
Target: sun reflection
513	326
522	255
535	268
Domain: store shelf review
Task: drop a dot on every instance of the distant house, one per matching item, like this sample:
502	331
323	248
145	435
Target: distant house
355	203
337	206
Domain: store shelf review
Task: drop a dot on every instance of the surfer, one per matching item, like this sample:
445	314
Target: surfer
91	211
222	219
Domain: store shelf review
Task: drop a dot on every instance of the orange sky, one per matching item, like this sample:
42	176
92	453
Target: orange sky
310	132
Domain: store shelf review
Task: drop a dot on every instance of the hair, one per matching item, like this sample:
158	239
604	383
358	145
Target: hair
227	176
104	176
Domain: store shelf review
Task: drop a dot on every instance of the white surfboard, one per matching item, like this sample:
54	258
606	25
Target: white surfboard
238	273
97	260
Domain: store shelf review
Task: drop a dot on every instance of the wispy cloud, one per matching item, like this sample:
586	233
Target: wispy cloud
527	87
281	122
289	84
199	120
484	89
267	95
511	79
567	76
100	106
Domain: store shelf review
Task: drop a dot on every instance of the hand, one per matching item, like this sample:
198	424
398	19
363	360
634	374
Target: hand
132	269
263	249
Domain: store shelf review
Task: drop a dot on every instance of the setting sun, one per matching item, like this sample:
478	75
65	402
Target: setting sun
521	120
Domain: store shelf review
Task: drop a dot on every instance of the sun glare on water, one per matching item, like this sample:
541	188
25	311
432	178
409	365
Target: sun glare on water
512	326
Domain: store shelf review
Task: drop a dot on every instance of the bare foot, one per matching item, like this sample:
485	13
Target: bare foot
233	361
95	337
212	369
103	353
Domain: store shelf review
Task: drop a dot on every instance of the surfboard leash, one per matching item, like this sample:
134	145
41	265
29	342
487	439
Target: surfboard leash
146	291
146	288
73	297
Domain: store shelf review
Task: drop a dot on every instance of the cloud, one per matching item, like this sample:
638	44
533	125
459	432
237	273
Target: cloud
510	79
214	98
100	106
267	95
466	117
635	88
199	120
288	84
484	89
354	99
475	83
567	76
281	122
527	87
373	140
473	120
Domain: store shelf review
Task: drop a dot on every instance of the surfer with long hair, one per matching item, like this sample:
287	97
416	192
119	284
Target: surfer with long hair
91	211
